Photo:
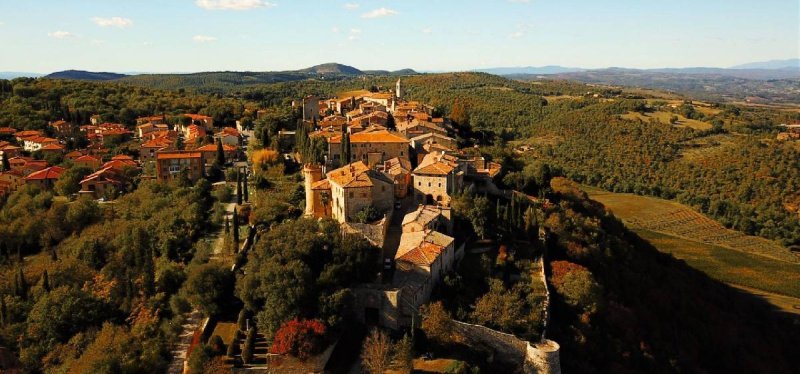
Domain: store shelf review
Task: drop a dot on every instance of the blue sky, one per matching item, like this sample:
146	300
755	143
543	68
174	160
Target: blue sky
259	35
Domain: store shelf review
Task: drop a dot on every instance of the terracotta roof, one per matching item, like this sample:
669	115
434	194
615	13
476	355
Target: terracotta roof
380	136
122	157
423	255
157	143
228	131
7	130
52	147
109	174
213	147
353	175
178	155
87	158
120	164
321	185
52	172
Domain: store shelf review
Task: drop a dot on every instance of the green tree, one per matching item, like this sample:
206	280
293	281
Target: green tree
220	160
69	181
208	287
5	165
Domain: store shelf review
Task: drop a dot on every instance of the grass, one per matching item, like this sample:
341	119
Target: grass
226	331
664	117
758	266
738	268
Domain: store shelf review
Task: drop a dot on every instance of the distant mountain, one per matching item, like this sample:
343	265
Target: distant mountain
792	63
84	75
17	74
549	69
332	68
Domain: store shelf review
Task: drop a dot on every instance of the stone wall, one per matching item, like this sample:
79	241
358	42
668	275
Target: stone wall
542	357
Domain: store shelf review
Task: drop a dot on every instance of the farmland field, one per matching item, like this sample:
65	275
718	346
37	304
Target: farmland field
756	265
664	117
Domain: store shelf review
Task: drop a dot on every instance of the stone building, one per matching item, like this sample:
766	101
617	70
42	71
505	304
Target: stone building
310	108
346	191
370	147
437	178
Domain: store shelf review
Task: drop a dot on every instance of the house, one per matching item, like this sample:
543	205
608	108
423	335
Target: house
9	150
52	149
73	155
7	132
209	152
155	120
26	165
35	143
310	108
206	122
171	164
385	99
370	147
429	217
229	136
148	149
352	188
113	135
103	183
87	161
437	178
420	263
22	135
121	162
44	178
62	128
194	132
150	127
10	181
399	170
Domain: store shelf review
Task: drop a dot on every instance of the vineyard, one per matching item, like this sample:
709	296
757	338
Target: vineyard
678	220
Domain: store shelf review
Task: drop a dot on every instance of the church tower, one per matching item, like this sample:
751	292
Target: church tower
398	94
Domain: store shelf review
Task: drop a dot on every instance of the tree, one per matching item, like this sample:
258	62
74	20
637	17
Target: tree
207	287
217	345
299	338
45	281
375	353
576	284
199	357
241	322
390	122
233	346
220	153
20	285
244	191
437	323
345	146
404	355
249	345
69	181
238	186
236	229
500	308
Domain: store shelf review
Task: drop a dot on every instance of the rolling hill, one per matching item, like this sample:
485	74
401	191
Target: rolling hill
84	75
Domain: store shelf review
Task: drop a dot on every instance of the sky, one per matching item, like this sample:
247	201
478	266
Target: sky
43	36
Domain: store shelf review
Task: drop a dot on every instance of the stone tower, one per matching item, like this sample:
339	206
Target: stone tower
543	357
311	173
310	108
398	90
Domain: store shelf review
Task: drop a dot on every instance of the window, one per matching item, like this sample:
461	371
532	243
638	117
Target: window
351	195
440	184
429	184
401	153
383	188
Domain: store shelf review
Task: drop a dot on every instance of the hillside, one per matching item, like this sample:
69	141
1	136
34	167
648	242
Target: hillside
84	75
648	311
332	68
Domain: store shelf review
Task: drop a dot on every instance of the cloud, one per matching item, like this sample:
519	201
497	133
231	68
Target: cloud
516	34
2	23
61	34
334	29
380	12
113	21
233	4
204	38
351	6
427	30
354	34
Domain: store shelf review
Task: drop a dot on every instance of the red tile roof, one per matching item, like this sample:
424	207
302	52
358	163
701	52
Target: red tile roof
52	172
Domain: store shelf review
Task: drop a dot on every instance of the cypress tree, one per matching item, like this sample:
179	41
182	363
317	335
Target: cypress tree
220	153
238	187
236	230
45	281
242	320
227	225
21	286
244	187
233	345
3	311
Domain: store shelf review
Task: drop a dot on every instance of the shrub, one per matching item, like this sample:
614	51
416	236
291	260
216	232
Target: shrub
576	284
299	338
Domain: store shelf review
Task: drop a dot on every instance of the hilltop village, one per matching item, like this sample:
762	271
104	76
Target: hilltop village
382	167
